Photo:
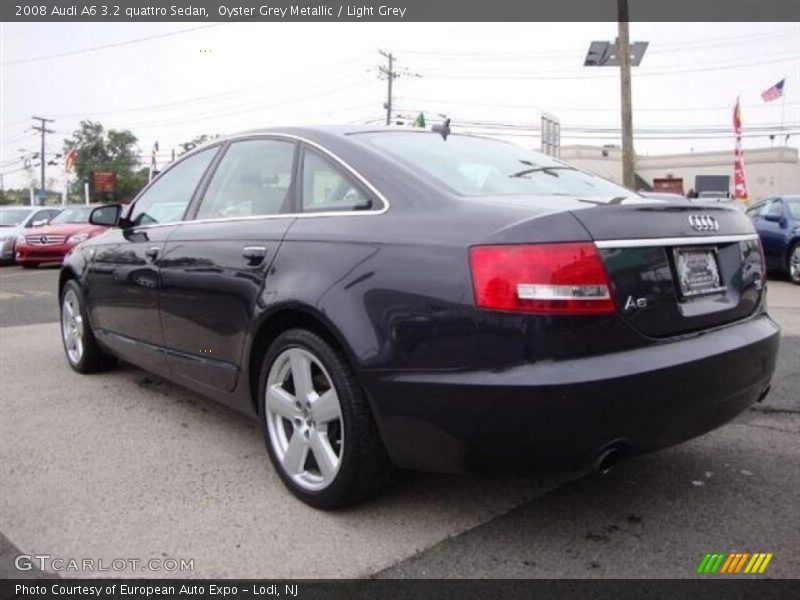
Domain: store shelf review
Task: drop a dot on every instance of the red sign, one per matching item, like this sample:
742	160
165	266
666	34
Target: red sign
671	185
104	182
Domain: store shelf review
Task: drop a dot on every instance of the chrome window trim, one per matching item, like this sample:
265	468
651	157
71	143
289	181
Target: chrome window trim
676	241
302	215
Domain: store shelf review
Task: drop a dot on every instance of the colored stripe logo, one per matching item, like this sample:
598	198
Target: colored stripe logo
734	563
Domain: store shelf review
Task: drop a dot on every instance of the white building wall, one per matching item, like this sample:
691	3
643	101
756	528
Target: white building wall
769	171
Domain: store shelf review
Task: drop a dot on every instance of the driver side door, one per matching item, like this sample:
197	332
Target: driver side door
124	278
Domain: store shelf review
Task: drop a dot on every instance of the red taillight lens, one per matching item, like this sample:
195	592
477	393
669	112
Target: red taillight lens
763	263
542	278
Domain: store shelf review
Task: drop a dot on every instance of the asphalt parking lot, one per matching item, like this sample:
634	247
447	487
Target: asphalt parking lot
125	465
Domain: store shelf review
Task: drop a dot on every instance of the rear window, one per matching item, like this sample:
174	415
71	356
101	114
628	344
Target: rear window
473	166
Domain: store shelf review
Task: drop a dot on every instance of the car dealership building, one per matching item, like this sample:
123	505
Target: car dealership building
769	171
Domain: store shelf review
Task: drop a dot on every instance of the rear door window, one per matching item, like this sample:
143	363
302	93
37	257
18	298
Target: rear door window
253	178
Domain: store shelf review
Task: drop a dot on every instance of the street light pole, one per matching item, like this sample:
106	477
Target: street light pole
628	158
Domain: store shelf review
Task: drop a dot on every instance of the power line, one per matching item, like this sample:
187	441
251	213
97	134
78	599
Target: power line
589	109
108	46
447	74
779	34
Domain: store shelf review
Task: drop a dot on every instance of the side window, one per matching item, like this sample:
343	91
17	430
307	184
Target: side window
775	209
38	216
327	188
253	178
169	195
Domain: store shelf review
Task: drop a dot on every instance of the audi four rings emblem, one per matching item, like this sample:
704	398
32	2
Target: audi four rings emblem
703	223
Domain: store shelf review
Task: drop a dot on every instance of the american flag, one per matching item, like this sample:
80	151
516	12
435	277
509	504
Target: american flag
773	93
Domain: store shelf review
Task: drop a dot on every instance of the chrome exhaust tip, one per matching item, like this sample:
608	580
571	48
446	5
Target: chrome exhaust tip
606	461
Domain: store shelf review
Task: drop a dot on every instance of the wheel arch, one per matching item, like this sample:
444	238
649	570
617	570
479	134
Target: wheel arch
278	320
67	273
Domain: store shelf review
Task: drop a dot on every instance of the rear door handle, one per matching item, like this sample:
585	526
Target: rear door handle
254	255
151	253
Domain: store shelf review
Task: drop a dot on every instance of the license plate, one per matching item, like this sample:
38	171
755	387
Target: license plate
698	271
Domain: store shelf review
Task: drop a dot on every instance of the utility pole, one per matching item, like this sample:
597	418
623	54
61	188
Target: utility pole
628	167
42	128
390	73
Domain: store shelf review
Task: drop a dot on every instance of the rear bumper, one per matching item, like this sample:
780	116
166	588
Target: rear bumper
29	254
562	414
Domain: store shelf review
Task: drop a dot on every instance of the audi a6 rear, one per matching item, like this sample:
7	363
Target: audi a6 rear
424	300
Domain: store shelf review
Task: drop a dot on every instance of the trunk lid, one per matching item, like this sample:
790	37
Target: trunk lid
677	268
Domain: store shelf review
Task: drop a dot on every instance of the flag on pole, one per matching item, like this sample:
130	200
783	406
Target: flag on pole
153	160
773	93
739	184
69	160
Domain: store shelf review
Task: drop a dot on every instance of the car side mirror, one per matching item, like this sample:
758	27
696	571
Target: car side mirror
773	218
106	216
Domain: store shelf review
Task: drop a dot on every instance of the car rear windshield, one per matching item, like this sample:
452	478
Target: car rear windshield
76	214
475	166
11	217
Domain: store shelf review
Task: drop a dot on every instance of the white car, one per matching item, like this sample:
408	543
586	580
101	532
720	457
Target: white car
14	220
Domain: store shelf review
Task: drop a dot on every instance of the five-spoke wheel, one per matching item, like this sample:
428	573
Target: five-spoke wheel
318	425
304	419
83	352
72	326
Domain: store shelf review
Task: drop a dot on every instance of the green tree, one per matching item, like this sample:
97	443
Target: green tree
113	150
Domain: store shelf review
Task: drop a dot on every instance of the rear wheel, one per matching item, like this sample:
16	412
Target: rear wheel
83	352
793	263
319	430
28	265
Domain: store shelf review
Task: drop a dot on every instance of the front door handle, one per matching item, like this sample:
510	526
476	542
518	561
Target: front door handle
151	253
254	255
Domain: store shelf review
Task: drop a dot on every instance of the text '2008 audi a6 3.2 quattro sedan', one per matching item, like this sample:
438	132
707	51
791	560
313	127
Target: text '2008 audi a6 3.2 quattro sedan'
413	299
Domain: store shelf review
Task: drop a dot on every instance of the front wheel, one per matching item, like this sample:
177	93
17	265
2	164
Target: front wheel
319	429
83	352
793	264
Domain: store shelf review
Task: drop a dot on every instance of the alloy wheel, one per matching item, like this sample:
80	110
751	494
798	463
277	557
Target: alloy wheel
72	326
794	264
304	419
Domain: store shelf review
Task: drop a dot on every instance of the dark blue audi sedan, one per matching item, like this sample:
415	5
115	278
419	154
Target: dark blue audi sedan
424	300
777	221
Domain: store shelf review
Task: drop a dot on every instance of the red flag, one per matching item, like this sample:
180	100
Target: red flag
739	184
69	160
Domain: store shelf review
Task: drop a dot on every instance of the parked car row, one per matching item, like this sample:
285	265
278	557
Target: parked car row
31	236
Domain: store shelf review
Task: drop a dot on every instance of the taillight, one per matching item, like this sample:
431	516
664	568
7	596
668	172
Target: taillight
763	262
542	278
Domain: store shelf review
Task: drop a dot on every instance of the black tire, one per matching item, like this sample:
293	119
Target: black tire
92	358
365	469
794	275
28	265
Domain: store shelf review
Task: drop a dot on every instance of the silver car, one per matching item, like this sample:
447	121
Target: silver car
14	220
